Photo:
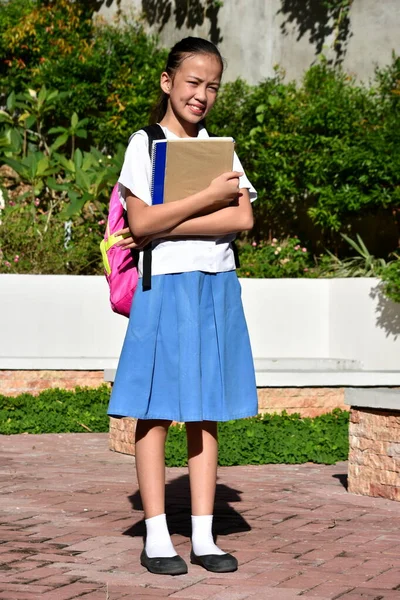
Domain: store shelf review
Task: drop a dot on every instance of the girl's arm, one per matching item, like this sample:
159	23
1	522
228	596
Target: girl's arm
224	221
231	219
145	220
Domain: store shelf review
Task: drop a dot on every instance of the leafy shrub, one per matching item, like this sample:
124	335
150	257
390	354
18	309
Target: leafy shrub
273	438
364	264
391	280
55	411
263	439
55	202
323	156
110	73
286	258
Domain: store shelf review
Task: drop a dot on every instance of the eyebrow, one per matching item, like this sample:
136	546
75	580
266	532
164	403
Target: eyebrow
201	80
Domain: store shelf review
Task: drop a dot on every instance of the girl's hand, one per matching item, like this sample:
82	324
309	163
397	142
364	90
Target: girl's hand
224	189
128	242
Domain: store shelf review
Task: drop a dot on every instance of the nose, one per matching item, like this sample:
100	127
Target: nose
201	95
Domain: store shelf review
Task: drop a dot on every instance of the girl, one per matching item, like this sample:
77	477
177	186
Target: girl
186	356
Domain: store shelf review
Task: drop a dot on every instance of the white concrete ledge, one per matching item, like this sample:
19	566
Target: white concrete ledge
67	324
56	363
376	398
311	372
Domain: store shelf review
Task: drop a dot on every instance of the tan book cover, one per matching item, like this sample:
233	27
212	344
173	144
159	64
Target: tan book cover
190	165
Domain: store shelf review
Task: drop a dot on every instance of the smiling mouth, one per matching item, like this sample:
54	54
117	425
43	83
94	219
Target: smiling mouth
198	110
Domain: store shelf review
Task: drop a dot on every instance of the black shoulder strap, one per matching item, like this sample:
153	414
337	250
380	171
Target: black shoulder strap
154	132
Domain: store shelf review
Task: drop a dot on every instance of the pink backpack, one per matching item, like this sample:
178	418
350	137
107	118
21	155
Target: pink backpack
120	265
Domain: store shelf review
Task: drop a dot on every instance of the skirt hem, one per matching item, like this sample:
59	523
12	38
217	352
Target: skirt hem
179	419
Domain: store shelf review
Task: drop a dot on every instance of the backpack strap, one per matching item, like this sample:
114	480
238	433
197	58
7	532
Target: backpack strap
154	132
233	243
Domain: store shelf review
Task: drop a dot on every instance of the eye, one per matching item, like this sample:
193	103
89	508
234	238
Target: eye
213	88
192	82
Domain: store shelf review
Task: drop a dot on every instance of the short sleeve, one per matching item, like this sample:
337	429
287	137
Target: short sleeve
243	181
136	171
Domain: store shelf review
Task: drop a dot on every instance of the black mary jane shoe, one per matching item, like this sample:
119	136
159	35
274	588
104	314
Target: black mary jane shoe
217	563
170	565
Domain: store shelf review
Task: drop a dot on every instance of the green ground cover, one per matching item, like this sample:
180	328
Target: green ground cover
259	440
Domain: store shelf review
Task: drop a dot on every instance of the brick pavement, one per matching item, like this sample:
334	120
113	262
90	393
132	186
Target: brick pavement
71	527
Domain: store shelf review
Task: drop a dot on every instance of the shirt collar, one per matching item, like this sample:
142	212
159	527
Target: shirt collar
202	134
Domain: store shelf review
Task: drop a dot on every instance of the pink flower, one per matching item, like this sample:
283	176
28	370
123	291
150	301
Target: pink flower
101	222
11	203
304	249
36	202
16	259
305	269
297	247
254	244
7	264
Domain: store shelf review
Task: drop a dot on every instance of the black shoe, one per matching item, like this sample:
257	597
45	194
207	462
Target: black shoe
171	565
217	563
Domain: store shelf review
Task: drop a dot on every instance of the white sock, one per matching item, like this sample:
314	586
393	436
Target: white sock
158	541
202	539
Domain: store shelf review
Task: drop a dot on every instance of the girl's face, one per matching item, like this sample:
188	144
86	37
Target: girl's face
193	88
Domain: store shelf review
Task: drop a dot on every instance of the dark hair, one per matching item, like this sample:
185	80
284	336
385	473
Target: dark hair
187	46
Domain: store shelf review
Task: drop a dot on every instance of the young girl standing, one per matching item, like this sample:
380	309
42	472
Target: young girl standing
186	356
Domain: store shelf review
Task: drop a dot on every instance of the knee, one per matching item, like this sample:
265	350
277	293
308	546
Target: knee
151	426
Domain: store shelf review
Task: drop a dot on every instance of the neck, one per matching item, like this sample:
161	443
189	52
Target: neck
178	126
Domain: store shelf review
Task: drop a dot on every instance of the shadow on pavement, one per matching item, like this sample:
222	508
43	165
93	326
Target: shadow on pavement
177	495
342	477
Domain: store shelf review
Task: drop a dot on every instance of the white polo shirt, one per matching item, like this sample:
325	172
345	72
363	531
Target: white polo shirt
209	254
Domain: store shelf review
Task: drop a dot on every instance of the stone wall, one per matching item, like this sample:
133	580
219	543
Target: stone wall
13	382
308	401
256	36
374	457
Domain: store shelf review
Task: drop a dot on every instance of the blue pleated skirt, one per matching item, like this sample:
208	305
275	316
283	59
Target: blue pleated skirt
186	354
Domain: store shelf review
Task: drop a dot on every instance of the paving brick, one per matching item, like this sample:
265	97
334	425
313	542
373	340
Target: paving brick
389	580
329	590
19	595
68	515
73	590
198	591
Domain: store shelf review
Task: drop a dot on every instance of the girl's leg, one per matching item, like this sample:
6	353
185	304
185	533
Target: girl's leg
202	440
150	468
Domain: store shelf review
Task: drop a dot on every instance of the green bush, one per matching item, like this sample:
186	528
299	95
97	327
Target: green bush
55	411
273	438
391	280
110	73
285	258
323	154
263	439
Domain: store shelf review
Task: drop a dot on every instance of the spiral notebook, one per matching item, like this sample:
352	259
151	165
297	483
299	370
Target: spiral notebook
186	166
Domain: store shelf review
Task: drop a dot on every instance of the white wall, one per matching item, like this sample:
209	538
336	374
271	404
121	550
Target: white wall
65	322
364	323
258	34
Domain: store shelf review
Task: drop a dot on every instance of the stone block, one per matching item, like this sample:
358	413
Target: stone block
122	435
374	455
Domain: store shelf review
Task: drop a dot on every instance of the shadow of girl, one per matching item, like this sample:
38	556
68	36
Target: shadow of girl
177	502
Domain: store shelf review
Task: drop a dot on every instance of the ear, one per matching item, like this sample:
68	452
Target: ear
165	82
